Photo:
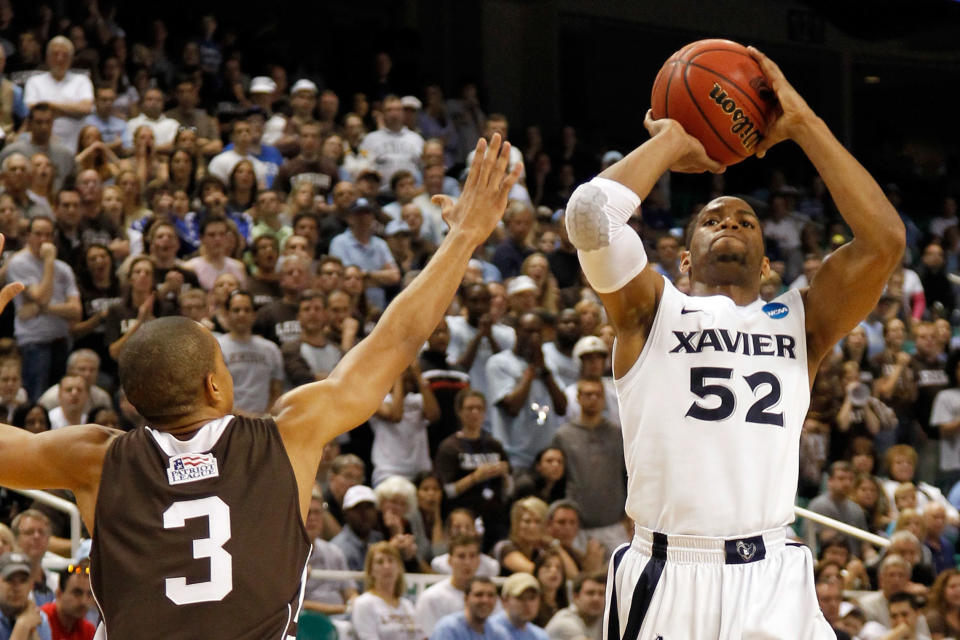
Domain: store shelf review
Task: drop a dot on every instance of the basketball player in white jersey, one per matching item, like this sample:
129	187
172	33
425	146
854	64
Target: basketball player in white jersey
714	386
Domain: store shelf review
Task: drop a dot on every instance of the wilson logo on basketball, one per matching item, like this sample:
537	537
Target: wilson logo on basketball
741	125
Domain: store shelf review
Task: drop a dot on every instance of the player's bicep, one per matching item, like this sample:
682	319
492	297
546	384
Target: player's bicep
843	292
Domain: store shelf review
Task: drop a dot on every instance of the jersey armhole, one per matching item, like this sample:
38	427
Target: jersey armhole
668	291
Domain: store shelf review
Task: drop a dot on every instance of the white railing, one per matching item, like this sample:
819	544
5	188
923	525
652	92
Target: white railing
59	504
842	527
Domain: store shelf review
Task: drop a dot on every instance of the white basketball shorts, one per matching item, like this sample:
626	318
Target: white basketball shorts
663	587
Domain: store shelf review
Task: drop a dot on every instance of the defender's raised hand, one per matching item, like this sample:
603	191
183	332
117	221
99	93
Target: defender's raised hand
485	193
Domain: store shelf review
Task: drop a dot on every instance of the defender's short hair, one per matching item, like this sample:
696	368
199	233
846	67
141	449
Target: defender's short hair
163	366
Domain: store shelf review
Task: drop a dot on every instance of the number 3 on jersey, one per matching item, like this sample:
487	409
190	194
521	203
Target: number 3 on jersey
220	583
757	413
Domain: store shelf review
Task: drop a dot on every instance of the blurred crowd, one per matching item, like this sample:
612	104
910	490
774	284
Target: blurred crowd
284	216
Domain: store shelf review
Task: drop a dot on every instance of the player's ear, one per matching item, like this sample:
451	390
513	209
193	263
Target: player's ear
685	262
764	267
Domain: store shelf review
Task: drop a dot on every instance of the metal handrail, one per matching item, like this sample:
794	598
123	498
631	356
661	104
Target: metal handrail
58	503
843	527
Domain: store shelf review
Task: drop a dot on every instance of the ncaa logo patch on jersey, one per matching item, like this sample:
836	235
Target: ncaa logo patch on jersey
776	310
191	467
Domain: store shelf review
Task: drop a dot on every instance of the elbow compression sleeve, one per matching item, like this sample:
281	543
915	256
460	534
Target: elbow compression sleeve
611	253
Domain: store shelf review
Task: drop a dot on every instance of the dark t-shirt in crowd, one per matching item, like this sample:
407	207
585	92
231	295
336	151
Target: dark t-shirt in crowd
322	173
278	321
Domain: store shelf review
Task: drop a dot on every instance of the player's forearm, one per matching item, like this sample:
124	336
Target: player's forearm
858	197
643	166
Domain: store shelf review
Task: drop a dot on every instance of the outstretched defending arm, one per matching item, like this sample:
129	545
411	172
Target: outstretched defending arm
310	415
848	285
611	253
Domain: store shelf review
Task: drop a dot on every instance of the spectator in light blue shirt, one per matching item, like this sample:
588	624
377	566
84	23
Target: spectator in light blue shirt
521	603
111	127
17	611
474	621
358	246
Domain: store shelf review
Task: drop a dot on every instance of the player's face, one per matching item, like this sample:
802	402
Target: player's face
481	600
590	600
726	247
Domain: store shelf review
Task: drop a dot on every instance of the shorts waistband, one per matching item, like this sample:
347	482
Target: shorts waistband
709	550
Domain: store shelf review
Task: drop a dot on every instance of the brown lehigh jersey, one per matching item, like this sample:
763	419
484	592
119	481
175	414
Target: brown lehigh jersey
200	538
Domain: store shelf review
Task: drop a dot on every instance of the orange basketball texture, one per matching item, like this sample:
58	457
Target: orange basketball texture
720	96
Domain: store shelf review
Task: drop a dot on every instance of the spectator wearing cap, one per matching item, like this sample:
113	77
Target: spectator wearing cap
303	103
592	354
189	116
309	166
521	603
359	530
527	401
222	164
359	247
20	617
151	114
393	146
522	294
262	91
398	236
69	94
411	112
596	472
509	255
473	622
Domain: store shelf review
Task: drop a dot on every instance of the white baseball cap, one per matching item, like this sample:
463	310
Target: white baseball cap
358	494
521	284
411	102
589	344
262	84
303	85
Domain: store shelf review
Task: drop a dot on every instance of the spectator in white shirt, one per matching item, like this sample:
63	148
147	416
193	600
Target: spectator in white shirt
73	398
69	94
393	146
151	114
448	596
222	164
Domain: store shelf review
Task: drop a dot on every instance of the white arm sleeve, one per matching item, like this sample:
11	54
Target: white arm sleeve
611	253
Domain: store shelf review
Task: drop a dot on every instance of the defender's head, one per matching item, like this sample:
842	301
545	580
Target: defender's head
172	367
725	245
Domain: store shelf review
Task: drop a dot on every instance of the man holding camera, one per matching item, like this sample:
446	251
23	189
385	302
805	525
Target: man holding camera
835	503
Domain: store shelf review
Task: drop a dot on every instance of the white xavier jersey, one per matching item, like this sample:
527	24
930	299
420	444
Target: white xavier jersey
712	412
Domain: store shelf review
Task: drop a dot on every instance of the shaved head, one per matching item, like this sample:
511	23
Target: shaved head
163	367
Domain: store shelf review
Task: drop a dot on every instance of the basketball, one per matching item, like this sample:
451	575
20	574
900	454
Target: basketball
716	90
